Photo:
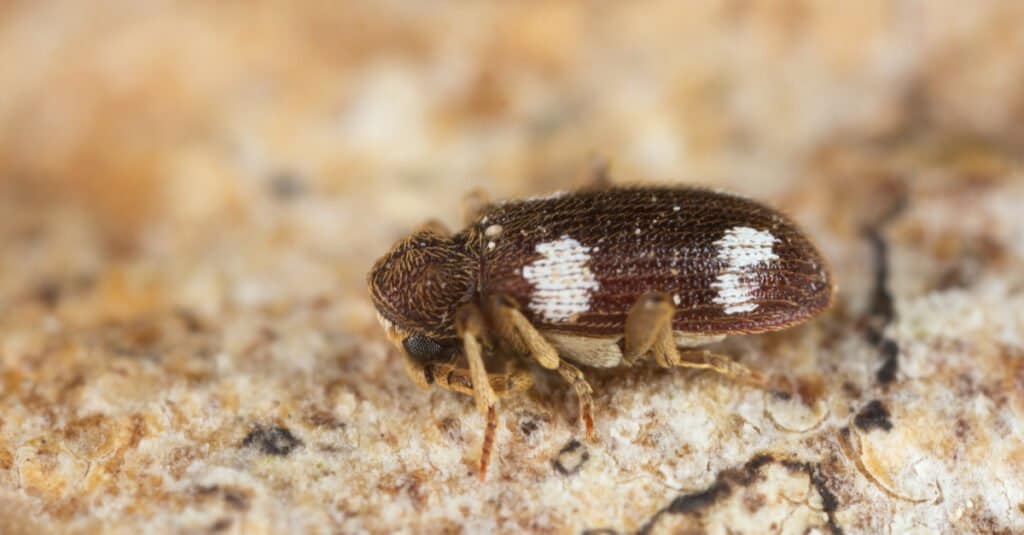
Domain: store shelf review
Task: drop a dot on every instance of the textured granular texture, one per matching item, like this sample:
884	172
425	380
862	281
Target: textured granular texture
191	195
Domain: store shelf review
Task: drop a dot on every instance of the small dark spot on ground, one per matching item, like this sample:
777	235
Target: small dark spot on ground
962	428
599	531
874	415
452	428
528	427
286	186
48	294
754	501
236	499
571	458
190	320
220	525
810	389
271	440
322	418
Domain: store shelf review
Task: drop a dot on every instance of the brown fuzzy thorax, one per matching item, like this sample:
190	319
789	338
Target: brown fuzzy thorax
418	284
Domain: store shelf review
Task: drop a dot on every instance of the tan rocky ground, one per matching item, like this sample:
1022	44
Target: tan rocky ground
191	194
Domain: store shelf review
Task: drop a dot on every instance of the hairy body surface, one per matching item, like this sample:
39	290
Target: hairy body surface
603	277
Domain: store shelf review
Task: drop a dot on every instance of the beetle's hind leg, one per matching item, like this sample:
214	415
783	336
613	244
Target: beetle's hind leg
649	331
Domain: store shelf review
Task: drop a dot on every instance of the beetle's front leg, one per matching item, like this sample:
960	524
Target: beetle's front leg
649	331
469	325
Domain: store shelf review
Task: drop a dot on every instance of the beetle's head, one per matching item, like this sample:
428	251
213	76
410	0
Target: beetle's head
416	288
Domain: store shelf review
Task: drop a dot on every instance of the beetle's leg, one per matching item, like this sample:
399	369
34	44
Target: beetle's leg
473	205
469	325
434	226
599	176
704	359
575	378
512	327
451	377
648	322
649	330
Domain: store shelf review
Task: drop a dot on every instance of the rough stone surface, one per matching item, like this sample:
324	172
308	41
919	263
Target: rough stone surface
192	193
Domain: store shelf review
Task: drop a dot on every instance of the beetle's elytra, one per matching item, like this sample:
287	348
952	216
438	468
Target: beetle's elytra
602	277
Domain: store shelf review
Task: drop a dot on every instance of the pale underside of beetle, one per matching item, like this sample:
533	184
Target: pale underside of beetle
603	277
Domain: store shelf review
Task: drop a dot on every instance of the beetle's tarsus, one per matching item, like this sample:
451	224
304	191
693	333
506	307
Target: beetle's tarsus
490	430
584	393
704	359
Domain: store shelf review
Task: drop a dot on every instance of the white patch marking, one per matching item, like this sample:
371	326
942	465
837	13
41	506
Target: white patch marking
493	231
741	248
562	282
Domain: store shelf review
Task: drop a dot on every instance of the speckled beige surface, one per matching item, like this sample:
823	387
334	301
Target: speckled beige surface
191	194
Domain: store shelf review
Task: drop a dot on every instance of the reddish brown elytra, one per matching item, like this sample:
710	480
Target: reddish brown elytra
602	277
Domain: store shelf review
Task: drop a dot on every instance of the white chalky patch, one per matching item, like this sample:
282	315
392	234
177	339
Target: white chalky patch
741	249
562	282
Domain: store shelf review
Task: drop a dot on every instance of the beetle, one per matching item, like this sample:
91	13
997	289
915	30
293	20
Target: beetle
602	277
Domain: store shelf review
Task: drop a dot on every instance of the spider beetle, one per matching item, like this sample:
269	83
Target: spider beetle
602	277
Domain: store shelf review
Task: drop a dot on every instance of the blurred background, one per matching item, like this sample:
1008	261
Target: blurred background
160	129
204	178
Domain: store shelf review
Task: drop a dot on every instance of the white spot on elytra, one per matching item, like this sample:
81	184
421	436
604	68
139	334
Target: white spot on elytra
562	282
493	231
741	249
675	299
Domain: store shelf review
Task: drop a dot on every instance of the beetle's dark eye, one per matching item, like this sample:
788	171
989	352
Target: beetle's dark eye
422	348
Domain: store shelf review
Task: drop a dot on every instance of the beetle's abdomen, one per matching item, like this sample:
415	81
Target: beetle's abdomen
577	262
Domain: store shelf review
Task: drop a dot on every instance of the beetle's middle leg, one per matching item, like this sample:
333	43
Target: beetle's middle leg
515	330
649	331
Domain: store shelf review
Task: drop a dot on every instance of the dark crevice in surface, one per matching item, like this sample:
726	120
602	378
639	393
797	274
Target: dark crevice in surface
881	310
730	479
